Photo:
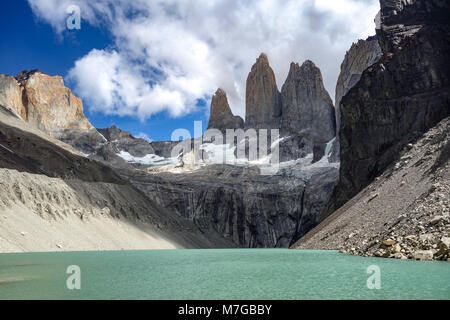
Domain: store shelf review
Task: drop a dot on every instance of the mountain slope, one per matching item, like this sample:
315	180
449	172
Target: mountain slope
404	213
393	191
231	204
54	198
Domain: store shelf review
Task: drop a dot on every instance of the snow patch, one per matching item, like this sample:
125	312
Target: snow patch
326	157
149	159
104	139
218	154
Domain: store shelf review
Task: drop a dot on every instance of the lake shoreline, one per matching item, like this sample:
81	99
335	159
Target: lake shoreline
228	274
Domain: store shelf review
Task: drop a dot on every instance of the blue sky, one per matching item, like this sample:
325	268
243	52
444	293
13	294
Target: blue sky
152	66
27	43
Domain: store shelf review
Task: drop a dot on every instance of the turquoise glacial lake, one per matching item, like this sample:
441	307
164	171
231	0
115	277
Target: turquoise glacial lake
219	274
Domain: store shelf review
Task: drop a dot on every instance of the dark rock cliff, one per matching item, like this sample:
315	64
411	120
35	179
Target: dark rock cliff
401	19
361	55
400	97
252	210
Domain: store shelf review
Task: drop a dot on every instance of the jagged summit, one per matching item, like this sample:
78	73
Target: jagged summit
309	63
303	111
263	100
25	75
113	133
221	116
220	91
263	57
306	65
306	105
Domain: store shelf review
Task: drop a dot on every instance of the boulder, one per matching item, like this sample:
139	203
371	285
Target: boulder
423	255
388	243
427	237
443	249
396	248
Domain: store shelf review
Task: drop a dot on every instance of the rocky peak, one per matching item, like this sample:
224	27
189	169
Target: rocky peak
43	101
263	58
23	76
51	106
221	116
118	141
361	55
263	100
306	105
114	133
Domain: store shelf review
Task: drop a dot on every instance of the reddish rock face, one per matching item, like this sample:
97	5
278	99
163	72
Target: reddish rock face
221	116
51	106
263	100
43	101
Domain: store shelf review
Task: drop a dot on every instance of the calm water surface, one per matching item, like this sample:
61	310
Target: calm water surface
218	274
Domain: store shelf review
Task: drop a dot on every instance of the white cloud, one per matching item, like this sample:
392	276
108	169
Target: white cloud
168	54
114	85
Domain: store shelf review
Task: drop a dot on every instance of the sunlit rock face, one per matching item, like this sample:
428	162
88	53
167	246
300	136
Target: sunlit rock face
43	101
221	117
11	96
307	108
263	100
236	201
50	105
